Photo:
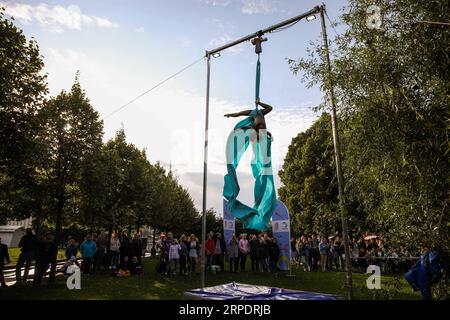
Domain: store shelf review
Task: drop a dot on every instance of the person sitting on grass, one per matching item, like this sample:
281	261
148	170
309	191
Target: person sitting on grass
134	266
124	270
66	267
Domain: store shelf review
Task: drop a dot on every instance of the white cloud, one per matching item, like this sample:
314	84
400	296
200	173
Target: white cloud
215	3
56	18
139	30
258	6
222	40
247	6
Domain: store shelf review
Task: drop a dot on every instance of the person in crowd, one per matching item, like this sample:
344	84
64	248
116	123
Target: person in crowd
45	255
219	251
323	249
174	256
4	259
28	245
297	261
209	251
193	252
183	254
233	253
372	247
362	254
114	248
244	249
101	243
124	246
88	249
294	252
161	267
167	242
160	246
335	254
274	254
254	252
314	252
263	253
342	252
135	249
72	251
304	253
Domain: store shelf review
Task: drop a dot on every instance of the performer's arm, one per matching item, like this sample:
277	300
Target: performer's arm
238	114
266	108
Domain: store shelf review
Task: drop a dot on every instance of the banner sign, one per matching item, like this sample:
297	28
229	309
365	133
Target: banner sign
228	224
282	231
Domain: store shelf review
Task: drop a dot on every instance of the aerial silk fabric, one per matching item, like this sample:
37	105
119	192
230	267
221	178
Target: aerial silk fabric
425	273
241	291
258	216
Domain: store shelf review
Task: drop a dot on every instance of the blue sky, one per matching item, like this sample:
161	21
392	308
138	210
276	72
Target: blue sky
123	48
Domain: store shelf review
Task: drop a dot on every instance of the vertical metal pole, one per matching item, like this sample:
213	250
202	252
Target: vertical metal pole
337	152
205	172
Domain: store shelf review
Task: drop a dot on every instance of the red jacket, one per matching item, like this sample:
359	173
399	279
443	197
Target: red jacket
209	247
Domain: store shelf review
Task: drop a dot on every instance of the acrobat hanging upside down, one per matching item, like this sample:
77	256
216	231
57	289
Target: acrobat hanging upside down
255	120
258	215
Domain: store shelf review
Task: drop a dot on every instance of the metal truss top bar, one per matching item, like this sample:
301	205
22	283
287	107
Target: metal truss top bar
315	10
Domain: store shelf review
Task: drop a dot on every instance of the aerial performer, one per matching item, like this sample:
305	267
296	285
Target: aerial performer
251	130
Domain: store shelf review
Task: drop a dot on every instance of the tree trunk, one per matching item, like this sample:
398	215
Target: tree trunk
154	237
153	250
92	222
58	226
37	222
138	224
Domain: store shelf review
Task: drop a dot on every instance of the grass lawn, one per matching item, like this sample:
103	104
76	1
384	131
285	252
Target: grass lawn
15	252
153	286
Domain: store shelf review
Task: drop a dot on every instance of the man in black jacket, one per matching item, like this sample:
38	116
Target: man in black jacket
219	251
28	244
4	257
274	254
46	252
254	252
135	249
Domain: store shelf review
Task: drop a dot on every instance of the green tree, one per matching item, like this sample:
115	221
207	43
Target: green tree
308	175
70	131
392	87
22	90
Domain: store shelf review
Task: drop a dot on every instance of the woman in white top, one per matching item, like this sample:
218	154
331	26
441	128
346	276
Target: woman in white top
114	250
193	254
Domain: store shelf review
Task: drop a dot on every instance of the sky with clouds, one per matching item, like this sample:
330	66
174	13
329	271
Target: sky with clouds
123	48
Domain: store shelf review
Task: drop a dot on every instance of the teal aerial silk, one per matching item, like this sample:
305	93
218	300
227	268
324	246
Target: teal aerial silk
258	216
